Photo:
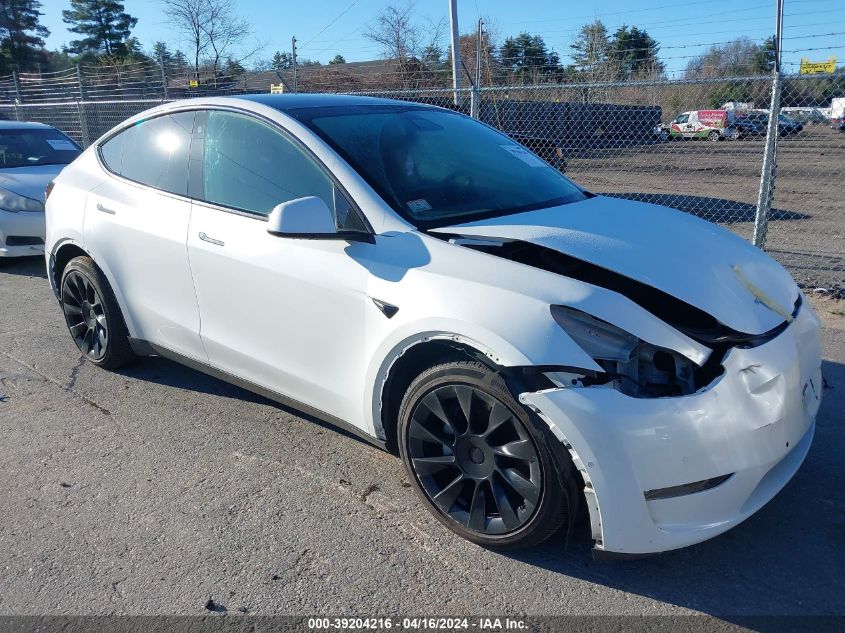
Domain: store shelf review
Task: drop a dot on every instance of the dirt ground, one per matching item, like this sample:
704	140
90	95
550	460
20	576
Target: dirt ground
720	182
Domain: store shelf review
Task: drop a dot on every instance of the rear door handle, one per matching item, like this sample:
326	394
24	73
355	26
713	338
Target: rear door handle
210	240
105	209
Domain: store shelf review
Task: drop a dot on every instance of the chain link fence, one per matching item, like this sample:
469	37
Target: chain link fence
694	145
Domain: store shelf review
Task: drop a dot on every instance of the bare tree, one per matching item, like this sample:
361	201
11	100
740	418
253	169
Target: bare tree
396	32
404	41
213	28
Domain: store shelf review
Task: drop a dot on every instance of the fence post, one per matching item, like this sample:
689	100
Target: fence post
475	95
18	99
16	81
293	61
80	109
768	173
163	76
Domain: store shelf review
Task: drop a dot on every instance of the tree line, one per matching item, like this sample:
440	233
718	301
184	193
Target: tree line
217	43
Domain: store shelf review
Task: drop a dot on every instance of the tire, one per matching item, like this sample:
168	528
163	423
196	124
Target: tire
714	136
472	475
93	316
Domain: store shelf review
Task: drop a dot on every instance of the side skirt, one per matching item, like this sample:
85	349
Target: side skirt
145	348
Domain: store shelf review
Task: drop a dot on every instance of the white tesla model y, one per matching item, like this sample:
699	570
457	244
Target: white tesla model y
414	275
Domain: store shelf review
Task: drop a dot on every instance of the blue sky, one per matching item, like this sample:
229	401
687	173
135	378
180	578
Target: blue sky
684	28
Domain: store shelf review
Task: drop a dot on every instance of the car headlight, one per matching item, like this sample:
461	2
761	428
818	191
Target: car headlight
630	365
11	201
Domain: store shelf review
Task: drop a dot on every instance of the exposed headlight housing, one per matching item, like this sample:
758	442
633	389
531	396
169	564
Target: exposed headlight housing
14	202
630	365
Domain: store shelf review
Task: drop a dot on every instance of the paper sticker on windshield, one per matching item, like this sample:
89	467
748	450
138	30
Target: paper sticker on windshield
419	205
62	145
524	155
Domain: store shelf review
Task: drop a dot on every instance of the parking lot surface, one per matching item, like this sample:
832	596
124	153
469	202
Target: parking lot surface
153	490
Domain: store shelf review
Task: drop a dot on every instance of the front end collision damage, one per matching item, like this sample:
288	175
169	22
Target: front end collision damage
664	473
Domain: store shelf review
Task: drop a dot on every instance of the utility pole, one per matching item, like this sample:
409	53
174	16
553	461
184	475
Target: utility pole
293	61
456	52
766	193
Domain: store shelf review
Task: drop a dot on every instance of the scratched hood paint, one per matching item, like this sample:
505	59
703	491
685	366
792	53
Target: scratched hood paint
685	256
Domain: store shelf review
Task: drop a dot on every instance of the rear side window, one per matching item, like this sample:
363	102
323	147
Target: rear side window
153	152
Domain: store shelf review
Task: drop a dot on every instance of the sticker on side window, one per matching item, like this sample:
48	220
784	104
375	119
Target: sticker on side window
419	205
524	155
61	145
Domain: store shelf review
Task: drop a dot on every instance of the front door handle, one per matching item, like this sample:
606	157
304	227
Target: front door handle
210	240
105	209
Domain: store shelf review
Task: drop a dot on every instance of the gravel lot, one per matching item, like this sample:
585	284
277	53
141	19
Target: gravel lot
152	490
720	182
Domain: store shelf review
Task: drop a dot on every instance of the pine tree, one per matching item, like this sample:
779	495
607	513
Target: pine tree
104	25
337	59
528	54
21	35
162	55
281	61
591	52
633	54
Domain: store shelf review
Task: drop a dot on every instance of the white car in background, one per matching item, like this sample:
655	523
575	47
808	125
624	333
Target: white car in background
31	155
417	277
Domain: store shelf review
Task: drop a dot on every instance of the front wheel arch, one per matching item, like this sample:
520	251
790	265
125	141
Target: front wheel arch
407	366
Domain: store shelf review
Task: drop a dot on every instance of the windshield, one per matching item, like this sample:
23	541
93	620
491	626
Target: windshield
29	147
437	167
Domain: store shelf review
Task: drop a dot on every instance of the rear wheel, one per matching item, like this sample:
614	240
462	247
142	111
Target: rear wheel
93	316
485	468
714	136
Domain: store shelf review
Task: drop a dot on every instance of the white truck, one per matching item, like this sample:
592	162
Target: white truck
837	111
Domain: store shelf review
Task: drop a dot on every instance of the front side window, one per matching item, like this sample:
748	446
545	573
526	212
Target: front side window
436	167
251	166
682	118
29	147
153	152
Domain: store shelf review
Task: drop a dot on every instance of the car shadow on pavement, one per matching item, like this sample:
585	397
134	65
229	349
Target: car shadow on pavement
712	209
25	266
163	371
787	559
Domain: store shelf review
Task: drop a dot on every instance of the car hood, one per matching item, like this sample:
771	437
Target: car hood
29	181
689	258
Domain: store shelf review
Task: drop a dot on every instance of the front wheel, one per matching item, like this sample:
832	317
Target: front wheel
487	470
714	136
93	316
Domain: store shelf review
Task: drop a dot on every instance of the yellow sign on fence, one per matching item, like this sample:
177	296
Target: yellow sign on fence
193	83
277	89
812	68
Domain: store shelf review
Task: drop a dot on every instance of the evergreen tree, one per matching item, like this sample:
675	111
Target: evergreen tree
633	54
103	25
763	60
21	35
528	54
281	61
338	59
591	52
162	55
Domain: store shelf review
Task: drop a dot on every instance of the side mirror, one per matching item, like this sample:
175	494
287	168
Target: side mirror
309	218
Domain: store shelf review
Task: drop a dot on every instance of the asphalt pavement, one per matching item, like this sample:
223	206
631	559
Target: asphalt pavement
156	489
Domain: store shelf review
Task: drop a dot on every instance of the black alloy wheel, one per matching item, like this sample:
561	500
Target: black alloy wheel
85	315
475	461
486	468
93	315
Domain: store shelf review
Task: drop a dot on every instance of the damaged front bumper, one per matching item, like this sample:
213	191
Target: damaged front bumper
664	473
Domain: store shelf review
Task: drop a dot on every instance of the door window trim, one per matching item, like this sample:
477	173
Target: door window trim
202	108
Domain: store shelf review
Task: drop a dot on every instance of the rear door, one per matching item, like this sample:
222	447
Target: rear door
136	223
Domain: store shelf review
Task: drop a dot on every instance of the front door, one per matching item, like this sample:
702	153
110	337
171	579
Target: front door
285	314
